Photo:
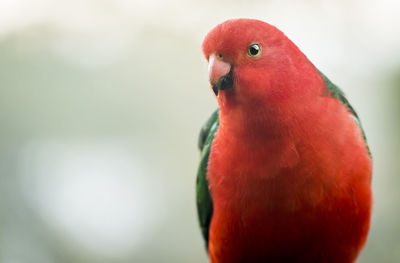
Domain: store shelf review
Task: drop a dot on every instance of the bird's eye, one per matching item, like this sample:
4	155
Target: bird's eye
254	50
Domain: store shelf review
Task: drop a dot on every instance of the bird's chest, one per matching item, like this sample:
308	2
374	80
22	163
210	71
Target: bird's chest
257	193
261	175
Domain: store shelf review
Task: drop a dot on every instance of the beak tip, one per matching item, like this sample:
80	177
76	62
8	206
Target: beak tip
215	89
224	83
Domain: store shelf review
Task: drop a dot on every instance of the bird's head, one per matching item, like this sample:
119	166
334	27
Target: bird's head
251	61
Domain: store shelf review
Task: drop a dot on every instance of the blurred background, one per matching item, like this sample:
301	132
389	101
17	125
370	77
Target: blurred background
101	102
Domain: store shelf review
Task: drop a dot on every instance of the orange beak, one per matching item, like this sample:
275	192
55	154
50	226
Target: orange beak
219	73
217	68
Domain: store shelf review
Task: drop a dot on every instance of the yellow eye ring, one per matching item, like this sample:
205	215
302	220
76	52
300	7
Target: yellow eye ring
254	50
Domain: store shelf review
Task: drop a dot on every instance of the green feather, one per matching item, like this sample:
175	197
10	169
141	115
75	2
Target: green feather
204	201
335	92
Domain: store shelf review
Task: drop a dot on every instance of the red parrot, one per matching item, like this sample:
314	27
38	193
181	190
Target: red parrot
285	171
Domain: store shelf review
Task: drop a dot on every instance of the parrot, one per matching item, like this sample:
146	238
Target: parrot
285	169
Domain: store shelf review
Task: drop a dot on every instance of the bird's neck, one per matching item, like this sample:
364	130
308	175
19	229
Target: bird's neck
259	111
260	121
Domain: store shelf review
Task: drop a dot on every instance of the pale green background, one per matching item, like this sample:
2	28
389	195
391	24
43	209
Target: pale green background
101	103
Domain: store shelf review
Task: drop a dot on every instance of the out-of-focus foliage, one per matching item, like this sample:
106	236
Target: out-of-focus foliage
101	103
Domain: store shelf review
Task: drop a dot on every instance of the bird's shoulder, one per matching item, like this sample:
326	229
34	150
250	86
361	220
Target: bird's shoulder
335	92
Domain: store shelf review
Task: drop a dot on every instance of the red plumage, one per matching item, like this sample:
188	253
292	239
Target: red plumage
289	172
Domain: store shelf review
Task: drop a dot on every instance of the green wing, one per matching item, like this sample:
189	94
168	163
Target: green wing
335	92
204	201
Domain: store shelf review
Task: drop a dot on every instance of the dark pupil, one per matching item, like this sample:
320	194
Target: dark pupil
254	50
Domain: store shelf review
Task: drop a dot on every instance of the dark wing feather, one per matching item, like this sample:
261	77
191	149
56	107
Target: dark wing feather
335	92
203	197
